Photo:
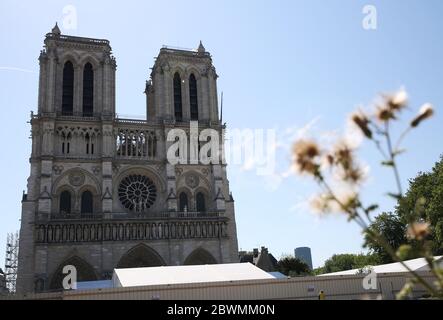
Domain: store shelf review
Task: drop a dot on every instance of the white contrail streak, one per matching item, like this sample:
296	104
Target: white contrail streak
17	69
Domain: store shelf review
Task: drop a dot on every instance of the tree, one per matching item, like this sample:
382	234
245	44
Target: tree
393	229
342	262
422	201
291	266
318	271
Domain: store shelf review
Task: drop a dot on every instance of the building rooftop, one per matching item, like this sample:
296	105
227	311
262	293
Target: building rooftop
56	35
262	259
187	274
418	264
198	52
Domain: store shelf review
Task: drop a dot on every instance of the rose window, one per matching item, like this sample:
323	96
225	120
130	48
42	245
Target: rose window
137	193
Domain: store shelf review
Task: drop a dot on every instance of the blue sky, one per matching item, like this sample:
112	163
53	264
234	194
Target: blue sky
282	64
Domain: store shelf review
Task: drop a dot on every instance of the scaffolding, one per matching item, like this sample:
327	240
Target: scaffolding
11	261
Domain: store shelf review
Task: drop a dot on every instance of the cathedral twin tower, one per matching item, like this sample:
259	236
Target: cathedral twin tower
101	192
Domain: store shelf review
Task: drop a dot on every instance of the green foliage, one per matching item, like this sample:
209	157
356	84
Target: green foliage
318	271
292	267
342	262
392	228
404	252
422	201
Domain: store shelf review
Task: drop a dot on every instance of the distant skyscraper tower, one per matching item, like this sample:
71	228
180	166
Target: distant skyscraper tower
304	254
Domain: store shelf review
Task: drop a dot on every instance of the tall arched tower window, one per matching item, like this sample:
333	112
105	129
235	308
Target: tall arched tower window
183	201
193	97
88	90
89	144
65	202
200	200
87	204
68	89
178	110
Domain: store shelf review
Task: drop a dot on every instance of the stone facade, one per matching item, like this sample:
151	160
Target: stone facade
101	192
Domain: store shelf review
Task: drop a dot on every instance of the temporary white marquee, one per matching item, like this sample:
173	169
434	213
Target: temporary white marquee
419	264
187	274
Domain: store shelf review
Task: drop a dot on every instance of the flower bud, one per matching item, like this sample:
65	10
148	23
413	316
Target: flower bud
426	111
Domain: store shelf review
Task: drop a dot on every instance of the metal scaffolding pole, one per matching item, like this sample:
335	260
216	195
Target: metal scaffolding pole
11	261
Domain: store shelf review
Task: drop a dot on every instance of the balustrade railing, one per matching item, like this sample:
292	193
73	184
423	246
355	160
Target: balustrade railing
135	143
174	227
143	216
77	39
77	216
78	115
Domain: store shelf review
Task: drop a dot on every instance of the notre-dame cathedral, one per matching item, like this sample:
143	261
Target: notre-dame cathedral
101	193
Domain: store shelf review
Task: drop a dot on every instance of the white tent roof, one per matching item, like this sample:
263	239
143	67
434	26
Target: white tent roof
187	274
419	264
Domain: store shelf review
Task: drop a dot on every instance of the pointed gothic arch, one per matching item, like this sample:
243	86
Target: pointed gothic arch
140	256
149	172
178	102
89	58
88	90
200	202
72	56
85	272
68	89
200	256
86	202
183	201
193	97
65	203
62	181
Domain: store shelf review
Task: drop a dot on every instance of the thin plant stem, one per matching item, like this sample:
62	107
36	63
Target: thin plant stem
357	212
355	215
392	158
379	148
402	136
375	236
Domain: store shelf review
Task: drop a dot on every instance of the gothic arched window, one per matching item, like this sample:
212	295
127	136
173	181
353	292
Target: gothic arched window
63	135
68	144
88	91
89	144
178	112
193	97
68	89
87	140
87	202
200	201
183	201
65	202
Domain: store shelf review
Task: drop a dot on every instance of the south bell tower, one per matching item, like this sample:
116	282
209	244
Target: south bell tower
101	192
